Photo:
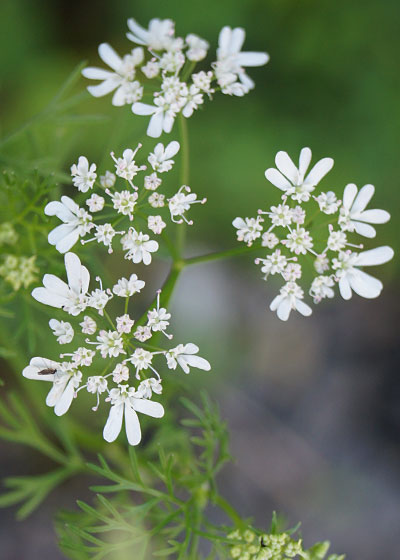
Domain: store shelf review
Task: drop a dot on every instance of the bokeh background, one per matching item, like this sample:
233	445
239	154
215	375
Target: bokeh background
313	405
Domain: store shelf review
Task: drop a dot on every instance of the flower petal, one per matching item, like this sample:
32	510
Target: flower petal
132	425
73	268
171	150
191	348
143	108
284	309
364	196
56	391
364	229
344	288
59	232
64	402
42	295
349	194
151	408
303	308
155	127
104	88
252	58
139	35
236	40
320	169
365	285
114	423
198	362
304	161
67	242
286	166
93	73
374	216
277	179
379	255
110	57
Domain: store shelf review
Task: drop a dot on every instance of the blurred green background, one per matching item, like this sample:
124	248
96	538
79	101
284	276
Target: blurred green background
313	405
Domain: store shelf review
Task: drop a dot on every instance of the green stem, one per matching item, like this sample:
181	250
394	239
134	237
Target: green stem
219	255
184	177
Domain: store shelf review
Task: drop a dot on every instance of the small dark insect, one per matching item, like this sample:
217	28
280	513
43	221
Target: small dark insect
47	371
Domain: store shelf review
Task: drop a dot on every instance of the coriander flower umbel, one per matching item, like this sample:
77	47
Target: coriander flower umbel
121	79
294	181
229	68
83	175
72	296
125	402
77	223
353	213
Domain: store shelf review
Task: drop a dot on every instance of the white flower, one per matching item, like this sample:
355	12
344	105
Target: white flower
156	224
327	202
281	215
126	288
269	239
124	202
231	62
292	272
141	359
290	297
98	299
159	36
352	278
96	384
157	200
110	344
321	263
321	288
152	182
292	180
198	47
139	246
65	380
108	180
120	373
105	234
88	325
158	319
77	223
151	69
121	79
143	333
273	264
354	217
124	324
181	202
161	159
95	202
299	241
126	167
62	330
184	355
249	229
203	80
124	403
193	101
162	113
337	240
298	215
172	61
83	176
83	357
149	386
72	296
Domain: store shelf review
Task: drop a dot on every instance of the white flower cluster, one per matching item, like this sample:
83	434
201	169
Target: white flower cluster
139	195
169	62
287	230
117	351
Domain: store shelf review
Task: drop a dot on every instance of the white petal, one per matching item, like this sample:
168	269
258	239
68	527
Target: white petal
344	288
56	208
155	127
114	423
67	242
304	160
224	39
59	232
236	40
286	166
143	109
64	402
110	57
140	34
56	285
277	179
190	348
151	408
56	392
73	268
132	425
104	88
85	279
276	302
239	223
119	97
379	255
365	285
284	309
303	308
349	195
171	150
168	122
374	216
364	229
70	204
151	246
252	58
49	298
38	364
197	362
93	73
364	196
320	169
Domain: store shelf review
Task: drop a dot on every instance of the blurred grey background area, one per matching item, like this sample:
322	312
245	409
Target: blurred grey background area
313	405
